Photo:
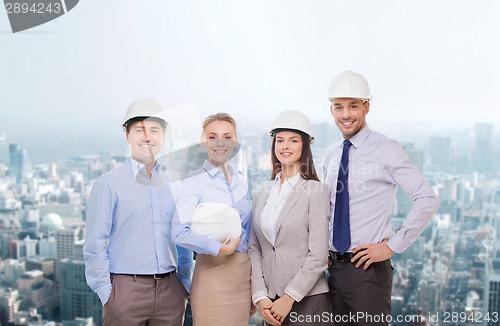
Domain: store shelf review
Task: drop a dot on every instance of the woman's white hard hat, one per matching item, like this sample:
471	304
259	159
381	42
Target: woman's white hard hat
292	120
217	221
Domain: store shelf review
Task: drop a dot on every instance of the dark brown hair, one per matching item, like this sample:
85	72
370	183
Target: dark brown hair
307	169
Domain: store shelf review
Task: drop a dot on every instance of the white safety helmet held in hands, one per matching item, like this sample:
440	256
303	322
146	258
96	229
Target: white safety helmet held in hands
349	84
147	108
292	120
217	221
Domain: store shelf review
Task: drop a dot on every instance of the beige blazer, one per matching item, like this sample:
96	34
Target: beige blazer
297	262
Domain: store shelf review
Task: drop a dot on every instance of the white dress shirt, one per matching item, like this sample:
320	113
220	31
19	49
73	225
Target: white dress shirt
274	204
377	165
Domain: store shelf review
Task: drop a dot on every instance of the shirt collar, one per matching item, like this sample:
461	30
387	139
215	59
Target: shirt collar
213	170
360	137
290	181
136	167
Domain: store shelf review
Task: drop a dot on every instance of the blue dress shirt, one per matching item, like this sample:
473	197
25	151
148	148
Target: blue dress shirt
208	184
128	228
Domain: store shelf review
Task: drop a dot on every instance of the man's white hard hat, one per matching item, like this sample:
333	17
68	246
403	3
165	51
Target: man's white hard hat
217	221
292	120
349	84
147	108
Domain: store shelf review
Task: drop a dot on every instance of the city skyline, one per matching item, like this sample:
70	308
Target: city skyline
183	133
454	267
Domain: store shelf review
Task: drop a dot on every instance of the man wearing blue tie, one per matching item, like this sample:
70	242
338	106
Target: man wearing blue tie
365	170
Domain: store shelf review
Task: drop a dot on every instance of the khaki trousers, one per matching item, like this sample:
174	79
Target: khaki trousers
140	301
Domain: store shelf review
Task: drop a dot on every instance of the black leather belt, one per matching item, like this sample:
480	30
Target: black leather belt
155	276
341	258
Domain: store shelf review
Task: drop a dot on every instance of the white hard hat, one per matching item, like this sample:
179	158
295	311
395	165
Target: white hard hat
147	108
217	221
292	120
349	84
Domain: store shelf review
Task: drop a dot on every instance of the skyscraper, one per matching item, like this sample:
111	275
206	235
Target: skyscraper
492	291
483	137
77	299
66	238
428	295
9	305
440	152
19	163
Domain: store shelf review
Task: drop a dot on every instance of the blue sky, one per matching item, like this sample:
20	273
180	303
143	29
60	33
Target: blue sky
66	84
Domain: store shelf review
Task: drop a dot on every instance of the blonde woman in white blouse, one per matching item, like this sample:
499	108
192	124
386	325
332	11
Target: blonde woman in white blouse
288	244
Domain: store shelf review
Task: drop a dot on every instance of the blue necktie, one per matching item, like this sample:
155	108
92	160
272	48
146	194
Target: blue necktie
341	225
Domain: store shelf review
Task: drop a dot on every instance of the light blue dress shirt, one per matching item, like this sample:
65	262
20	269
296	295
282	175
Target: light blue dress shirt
128	228
377	166
208	184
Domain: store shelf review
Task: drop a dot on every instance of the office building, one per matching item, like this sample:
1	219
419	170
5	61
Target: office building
492	290
77	299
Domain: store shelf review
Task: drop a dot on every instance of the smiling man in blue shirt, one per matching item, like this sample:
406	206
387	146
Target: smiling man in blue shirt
139	274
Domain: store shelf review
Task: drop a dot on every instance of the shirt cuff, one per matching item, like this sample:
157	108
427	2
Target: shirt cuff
257	299
104	293
398	244
291	296
186	282
259	295
213	247
294	294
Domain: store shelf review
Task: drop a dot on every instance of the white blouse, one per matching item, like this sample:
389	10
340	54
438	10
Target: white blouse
275	202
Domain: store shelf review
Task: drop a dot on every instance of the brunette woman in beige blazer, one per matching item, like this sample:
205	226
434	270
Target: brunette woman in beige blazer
288	243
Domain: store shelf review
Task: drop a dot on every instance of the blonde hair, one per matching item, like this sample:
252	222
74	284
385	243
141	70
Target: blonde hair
221	116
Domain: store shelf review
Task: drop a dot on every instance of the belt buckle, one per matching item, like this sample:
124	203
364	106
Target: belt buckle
341	258
155	277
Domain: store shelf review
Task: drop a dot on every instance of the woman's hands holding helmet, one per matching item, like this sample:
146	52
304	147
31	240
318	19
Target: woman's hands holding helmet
229	248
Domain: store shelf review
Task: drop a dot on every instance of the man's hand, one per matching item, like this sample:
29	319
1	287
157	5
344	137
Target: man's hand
229	248
371	253
282	307
264	306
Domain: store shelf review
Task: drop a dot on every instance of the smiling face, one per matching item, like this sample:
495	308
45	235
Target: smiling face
220	139
145	139
349	115
288	147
